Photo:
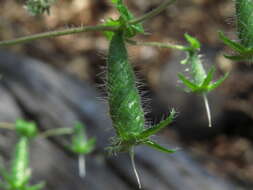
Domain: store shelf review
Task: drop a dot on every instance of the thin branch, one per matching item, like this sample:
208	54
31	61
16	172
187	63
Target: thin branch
57	33
6	125
75	30
157	44
152	13
56	132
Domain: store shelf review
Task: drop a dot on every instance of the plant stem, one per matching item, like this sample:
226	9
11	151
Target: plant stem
56	33
56	132
82	166
131	153
207	110
152	13
6	125
157	44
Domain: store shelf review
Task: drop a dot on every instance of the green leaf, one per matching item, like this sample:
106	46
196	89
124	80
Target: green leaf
159	147
90	145
36	187
233	45
187	82
156	128
217	83
110	22
235	57
114	1
130	30
80	144
208	78
192	41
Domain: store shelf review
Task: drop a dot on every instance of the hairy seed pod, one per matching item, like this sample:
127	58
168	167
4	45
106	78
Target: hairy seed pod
244	21
20	172
124	100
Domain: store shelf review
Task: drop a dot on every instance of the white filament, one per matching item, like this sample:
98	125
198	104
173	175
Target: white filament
207	110
82	166
134	167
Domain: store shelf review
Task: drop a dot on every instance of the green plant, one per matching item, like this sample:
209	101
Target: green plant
199	81
20	173
81	146
244	22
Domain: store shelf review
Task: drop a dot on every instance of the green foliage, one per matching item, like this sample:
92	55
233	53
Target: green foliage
244	21
20	173
80	143
37	7
130	30
200	82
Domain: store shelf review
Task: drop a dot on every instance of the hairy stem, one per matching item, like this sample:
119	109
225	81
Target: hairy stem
207	110
56	132
152	13
131	153
157	44
56	33
75	30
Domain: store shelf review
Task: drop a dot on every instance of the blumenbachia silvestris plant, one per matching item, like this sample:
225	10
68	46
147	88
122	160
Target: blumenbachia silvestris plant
20	173
81	146
124	100
199	82
244	22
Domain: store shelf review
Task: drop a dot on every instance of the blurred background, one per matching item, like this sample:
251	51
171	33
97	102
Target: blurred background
67	80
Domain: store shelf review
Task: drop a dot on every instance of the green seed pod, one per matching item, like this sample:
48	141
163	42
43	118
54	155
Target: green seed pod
244	21
124	101
20	173
125	104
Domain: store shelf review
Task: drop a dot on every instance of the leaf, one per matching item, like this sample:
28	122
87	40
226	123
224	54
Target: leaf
208	78
125	16
235	57
110	22
156	128
159	147
187	82
90	145
233	45
36	187
217	83
192	41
